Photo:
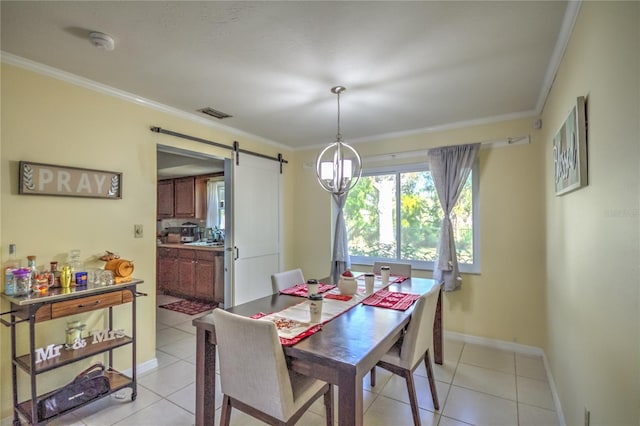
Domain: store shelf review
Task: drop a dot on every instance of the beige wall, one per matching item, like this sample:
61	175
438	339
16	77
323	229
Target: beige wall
506	300
593	234
50	121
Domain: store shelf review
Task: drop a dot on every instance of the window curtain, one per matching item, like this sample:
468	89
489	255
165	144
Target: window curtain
450	168
212	204
340	260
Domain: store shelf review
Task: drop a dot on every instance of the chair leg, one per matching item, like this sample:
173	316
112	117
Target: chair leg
328	405
373	376
225	412
432	380
411	387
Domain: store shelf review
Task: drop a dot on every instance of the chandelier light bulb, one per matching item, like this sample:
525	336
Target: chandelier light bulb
338	166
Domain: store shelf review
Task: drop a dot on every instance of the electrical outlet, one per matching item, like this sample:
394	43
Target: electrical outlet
587	417
12	249
137	231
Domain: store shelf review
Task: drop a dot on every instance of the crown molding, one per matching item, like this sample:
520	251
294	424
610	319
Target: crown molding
18	61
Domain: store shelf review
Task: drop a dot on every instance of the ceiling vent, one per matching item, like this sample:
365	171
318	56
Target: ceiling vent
214	113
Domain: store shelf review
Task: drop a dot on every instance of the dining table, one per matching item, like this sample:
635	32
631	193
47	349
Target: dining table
342	352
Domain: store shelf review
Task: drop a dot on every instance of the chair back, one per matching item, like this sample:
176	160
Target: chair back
395	268
419	335
253	368
286	279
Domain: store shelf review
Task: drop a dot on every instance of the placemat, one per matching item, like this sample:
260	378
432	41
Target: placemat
391	300
301	289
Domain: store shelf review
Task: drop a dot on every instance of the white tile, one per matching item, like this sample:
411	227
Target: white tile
164	381
170	335
386	411
181	348
167	317
185	398
451	350
484	356
485	380
532	367
187	327
116	407
382	377
478	408
446	421
161	413
442	373
396	388
535	392
164	359
318	406
536	416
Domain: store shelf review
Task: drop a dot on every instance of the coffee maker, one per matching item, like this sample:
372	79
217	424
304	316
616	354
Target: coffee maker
188	232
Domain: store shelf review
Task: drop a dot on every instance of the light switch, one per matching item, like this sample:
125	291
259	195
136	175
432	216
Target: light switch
137	231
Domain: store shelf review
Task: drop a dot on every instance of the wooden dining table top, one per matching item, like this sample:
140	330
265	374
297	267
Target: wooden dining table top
344	350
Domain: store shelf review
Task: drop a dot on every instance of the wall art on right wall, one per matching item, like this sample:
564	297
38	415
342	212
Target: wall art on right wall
570	151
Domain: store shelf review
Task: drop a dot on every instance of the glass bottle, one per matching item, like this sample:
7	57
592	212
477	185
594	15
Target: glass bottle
31	264
55	275
74	263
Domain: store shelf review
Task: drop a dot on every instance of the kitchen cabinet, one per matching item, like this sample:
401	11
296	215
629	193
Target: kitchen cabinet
186	272
167	269
192	273
54	304
177	198
185	197
165	199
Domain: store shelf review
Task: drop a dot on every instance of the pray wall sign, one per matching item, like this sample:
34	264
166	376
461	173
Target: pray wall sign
49	179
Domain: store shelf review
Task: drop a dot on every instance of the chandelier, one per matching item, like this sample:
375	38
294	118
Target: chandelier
338	166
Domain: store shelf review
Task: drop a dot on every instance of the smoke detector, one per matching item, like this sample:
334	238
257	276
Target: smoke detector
101	40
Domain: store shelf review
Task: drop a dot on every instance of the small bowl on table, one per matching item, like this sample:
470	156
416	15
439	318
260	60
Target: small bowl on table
347	286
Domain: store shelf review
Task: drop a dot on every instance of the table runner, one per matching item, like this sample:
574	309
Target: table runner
293	323
301	289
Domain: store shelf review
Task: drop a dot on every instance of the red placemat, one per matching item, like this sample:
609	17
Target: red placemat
290	342
301	289
391	299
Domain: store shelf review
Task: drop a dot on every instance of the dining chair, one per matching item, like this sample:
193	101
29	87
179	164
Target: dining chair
254	376
395	268
286	279
413	347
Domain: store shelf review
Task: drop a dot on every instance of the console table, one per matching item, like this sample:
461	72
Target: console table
59	303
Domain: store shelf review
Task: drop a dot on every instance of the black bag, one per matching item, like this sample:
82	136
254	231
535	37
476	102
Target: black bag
87	386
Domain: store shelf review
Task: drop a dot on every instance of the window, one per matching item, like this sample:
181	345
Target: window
394	214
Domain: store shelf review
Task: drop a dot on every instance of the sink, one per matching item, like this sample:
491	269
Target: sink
204	244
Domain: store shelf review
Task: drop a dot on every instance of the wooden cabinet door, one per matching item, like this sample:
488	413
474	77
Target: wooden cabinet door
204	281
165	198
201	198
186	272
168	269
184	194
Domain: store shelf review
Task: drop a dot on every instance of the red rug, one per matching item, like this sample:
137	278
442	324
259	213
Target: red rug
189	307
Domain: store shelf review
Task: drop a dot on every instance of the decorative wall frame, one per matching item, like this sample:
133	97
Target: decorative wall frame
570	151
49	179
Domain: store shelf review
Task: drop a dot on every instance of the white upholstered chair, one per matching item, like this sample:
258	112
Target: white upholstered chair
254	376
413	347
395	268
286	279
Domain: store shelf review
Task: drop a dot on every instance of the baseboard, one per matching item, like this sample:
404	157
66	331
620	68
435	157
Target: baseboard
144	367
518	348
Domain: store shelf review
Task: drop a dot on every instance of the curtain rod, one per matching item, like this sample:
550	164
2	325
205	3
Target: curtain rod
236	146
496	143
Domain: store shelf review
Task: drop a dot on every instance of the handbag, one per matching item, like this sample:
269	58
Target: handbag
91	384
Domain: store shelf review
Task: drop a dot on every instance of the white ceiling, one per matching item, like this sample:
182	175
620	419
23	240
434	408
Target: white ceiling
408	67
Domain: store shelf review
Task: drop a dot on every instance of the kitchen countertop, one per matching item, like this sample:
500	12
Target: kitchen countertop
183	246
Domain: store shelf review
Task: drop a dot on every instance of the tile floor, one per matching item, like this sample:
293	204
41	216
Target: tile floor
477	385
